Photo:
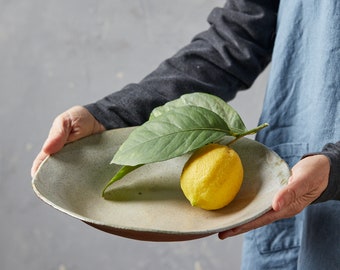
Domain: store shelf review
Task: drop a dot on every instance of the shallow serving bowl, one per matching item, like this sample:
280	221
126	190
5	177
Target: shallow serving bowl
148	203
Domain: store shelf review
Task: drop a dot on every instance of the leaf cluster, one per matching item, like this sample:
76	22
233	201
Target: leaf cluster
179	127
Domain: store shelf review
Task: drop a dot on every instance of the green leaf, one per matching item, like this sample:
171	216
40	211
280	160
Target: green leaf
172	134
207	101
119	175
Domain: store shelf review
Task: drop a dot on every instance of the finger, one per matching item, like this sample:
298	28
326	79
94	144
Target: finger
265	219
37	162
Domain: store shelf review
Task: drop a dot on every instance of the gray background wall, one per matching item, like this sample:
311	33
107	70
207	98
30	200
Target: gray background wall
55	54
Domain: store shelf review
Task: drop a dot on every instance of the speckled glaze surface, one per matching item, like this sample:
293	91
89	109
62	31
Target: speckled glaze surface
148	204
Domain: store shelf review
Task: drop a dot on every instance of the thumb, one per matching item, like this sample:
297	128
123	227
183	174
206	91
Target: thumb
57	136
292	196
55	141
283	198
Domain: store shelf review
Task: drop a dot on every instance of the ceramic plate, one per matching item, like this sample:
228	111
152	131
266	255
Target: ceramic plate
148	204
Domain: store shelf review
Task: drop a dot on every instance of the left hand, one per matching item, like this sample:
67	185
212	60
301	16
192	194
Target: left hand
308	180
71	125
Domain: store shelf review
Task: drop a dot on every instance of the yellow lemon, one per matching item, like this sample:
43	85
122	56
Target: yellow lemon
212	176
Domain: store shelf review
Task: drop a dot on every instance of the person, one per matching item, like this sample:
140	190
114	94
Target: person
301	40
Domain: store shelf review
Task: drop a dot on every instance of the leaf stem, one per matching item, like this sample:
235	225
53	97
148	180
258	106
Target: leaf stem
248	132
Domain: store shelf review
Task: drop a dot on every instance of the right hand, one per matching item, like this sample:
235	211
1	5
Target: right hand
71	125
308	181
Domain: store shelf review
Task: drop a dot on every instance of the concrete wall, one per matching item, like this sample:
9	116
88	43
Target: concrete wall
55	54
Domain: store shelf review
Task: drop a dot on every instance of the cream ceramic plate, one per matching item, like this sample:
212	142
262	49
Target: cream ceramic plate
148	204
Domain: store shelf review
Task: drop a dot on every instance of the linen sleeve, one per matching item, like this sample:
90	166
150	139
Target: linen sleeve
221	60
332	192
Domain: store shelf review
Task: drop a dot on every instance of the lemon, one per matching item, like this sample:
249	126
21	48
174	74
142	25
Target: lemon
212	176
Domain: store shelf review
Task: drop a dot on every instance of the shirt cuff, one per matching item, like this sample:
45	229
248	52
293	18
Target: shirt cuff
332	192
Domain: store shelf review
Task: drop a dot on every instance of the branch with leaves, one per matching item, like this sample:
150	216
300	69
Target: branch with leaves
179	127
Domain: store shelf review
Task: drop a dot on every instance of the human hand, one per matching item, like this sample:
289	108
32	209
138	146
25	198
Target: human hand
308	180
71	125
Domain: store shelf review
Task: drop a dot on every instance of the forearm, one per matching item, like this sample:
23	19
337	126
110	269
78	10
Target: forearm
220	61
